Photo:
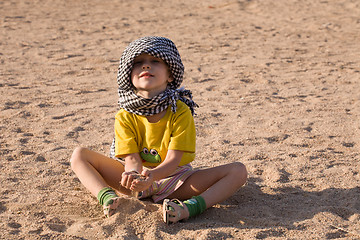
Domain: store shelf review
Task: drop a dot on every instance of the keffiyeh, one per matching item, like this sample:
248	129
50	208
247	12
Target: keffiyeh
165	49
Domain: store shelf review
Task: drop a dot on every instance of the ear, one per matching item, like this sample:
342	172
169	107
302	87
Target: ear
170	79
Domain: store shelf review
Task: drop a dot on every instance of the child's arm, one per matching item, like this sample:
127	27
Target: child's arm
172	160
133	164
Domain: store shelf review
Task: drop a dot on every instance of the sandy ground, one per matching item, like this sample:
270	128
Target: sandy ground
278	83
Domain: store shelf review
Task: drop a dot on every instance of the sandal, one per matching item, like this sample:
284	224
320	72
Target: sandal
174	210
110	209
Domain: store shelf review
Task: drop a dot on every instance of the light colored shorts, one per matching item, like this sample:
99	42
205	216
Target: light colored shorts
162	188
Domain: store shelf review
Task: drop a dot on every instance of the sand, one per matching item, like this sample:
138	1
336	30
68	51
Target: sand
278	85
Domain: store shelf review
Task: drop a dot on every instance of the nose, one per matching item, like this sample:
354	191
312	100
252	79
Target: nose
146	66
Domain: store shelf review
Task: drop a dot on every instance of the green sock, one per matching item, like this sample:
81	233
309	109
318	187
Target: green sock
195	205
105	196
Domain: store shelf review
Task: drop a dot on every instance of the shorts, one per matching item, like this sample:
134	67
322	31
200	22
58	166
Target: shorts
160	189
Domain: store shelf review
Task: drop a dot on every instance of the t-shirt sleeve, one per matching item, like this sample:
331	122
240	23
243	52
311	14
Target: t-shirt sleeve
183	136
125	136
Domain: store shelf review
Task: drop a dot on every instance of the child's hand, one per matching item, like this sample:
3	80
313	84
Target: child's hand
127	178
142	182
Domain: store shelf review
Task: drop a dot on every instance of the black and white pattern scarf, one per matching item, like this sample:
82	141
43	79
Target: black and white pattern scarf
166	50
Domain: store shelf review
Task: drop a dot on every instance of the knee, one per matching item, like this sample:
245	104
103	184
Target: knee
239	171
77	156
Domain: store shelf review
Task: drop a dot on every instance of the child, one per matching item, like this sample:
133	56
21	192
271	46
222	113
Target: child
155	140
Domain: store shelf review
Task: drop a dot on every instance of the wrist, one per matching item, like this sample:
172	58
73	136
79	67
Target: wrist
133	169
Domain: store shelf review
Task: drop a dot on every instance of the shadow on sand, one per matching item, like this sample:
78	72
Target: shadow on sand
253	209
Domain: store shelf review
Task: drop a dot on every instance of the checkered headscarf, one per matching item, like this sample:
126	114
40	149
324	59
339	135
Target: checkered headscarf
166	50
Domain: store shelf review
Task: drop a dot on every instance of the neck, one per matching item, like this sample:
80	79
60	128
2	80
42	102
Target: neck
147	94
156	117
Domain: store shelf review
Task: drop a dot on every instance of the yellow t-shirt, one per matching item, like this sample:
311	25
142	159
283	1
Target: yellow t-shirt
175	131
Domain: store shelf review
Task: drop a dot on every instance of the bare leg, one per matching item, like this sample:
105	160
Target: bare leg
214	184
97	171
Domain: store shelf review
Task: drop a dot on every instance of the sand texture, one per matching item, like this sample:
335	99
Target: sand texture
278	84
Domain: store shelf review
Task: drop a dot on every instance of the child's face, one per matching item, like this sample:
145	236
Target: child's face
150	75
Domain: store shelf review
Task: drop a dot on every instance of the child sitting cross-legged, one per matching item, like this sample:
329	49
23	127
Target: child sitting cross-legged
154	141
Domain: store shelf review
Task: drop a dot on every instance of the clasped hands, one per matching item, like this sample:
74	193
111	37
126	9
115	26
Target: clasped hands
137	182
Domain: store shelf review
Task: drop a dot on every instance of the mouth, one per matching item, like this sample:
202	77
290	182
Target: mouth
145	74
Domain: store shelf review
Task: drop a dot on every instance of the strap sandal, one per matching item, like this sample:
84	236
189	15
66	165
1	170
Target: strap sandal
110	209
174	210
